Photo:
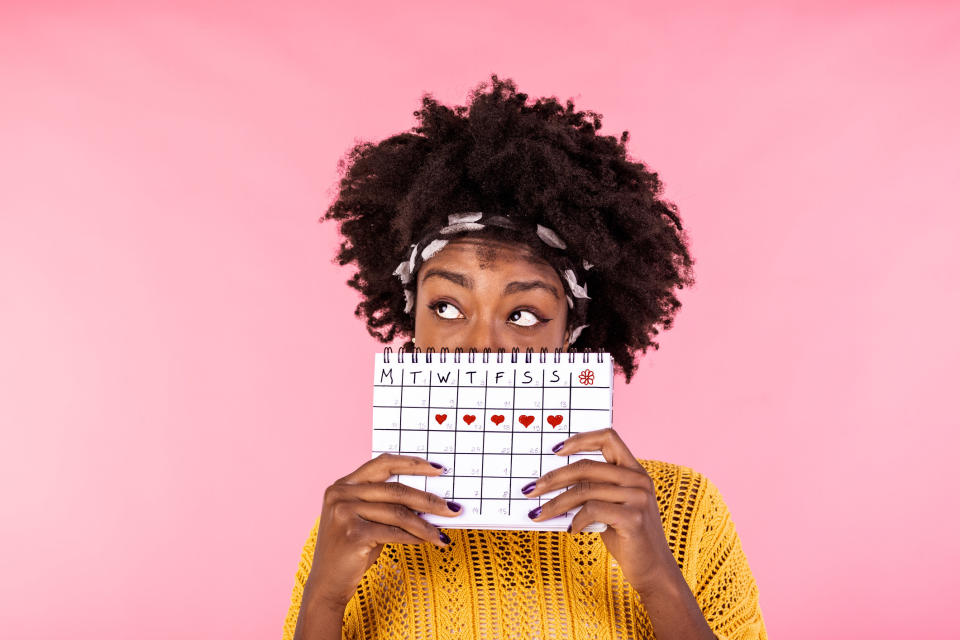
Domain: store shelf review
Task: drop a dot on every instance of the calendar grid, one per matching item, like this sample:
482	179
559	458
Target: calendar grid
397	406
400	418
487	436
569	408
429	411
502	386
543	409
513	419
453	488
483	436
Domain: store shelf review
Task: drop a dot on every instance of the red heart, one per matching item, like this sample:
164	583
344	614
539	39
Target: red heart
526	420
554	420
441	417
469	419
497	419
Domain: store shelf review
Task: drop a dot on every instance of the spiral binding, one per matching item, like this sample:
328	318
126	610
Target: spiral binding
487	353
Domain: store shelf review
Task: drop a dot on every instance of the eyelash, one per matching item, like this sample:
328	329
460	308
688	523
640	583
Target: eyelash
540	319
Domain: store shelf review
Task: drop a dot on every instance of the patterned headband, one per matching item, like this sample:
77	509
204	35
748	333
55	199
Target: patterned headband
474	221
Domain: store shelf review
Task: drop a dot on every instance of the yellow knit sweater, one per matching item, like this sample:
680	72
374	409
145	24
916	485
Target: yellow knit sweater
531	584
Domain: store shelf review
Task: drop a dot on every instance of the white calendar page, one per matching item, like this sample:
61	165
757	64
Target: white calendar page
492	424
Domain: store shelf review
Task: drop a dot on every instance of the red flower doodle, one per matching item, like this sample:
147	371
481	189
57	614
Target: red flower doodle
586	376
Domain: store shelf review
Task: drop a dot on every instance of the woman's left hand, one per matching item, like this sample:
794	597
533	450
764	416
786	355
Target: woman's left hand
619	493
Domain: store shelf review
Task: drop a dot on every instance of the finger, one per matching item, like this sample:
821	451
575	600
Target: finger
389	464
587	470
376	533
579	494
401	517
395	492
607	441
592	511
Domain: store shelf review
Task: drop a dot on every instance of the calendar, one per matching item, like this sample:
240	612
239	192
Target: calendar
491	419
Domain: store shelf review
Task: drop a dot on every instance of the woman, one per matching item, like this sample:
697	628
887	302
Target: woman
503	225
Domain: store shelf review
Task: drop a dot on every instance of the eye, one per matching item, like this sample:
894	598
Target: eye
524	318
443	309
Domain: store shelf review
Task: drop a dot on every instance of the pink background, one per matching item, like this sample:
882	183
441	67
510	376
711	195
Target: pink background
181	374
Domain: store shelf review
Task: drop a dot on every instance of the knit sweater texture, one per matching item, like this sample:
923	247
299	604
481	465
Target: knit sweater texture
531	584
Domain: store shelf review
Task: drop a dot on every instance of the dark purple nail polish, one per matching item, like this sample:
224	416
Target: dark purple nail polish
558	446
453	506
534	512
437	465
569	528
444	538
527	488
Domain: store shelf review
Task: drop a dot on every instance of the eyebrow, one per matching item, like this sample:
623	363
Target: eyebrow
467	283
455	278
514	287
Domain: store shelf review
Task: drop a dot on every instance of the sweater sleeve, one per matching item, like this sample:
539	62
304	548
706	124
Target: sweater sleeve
303	571
725	588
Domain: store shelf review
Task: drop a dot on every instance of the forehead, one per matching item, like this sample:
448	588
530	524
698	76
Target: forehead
494	256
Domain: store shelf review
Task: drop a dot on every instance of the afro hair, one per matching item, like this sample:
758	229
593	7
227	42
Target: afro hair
542	162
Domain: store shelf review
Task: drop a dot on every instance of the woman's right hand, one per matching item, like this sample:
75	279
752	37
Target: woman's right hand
361	512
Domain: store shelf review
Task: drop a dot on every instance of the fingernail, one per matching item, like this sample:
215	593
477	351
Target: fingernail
453	506
444	538
534	512
558	446
527	488
569	528
438	466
